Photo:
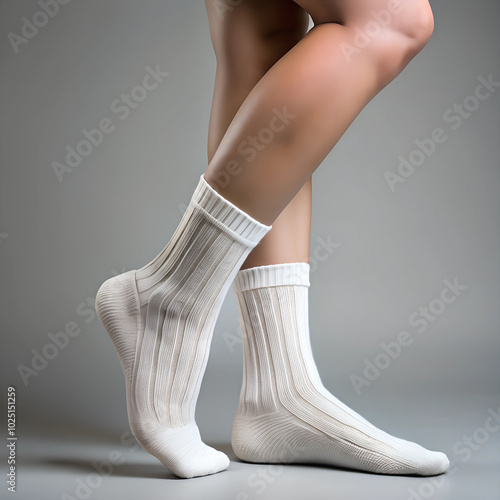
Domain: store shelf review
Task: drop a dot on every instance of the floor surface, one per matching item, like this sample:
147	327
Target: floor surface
80	467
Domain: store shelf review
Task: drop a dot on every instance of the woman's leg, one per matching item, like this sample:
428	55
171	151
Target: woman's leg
285	413
248	40
301	107
161	317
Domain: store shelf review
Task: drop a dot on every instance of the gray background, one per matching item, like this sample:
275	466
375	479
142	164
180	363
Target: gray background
60	240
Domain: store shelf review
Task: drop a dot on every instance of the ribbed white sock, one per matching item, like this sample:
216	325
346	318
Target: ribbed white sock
285	414
161	319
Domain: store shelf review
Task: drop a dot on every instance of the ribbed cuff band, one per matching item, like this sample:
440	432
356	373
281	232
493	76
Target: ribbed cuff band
296	273
229	215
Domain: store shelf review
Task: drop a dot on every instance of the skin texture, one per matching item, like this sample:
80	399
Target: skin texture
299	109
247	42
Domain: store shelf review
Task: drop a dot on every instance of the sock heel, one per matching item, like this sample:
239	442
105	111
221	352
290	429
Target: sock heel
258	439
117	309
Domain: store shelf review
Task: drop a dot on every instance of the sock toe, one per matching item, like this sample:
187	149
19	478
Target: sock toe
437	463
209	462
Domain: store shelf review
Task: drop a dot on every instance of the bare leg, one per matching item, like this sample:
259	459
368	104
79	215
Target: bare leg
265	31
310	97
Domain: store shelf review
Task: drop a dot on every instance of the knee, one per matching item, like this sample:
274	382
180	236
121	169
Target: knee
416	24
404	28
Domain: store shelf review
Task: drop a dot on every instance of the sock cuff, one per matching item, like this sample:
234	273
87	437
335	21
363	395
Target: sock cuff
296	273
227	214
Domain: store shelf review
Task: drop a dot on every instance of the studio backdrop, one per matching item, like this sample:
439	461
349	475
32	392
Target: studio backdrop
105	109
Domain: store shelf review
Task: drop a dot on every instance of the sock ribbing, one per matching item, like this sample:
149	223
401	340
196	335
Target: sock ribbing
274	275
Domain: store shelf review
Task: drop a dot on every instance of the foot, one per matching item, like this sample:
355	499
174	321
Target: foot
309	425
285	413
169	434
161	320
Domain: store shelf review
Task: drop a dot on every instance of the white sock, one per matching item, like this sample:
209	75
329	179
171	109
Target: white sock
161	319
285	414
